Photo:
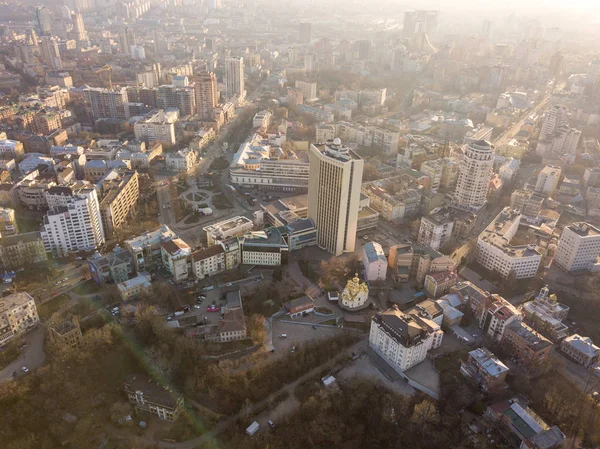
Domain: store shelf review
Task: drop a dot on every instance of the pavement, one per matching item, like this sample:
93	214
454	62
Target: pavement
32	357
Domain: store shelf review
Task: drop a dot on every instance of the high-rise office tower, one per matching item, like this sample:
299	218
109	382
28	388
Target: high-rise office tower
205	88
50	53
234	77
126	40
42	18
475	172
304	32
335	177
555	117
79	32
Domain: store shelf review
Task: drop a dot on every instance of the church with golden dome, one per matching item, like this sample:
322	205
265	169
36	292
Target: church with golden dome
355	295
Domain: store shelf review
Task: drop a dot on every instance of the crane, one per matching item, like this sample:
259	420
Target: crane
106	68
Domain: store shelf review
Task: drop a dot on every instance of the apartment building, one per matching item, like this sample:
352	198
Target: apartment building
390	207
580	349
209	261
181	161
527	346
21	250
439	283
113	267
8	222
545	314
262	119
66	334
11	149
120	191
18	314
146	249
308	89
107	104
435	230
175	257
148	396
495	252
527	202
485	370
73	222
157	126
325	133
374	262
334	195
403	340
234	77
474	176
207	95
578	247
548	179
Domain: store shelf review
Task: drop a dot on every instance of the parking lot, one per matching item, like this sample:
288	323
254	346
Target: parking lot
298	334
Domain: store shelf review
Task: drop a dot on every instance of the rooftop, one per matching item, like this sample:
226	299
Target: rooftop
501	230
150	238
585	345
335	150
152	391
584	229
374	252
488	362
14	300
532	339
401	327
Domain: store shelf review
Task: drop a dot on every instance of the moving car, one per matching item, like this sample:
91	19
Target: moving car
24	369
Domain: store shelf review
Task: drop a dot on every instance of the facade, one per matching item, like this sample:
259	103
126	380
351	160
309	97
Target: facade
525	344
18	314
11	149
146	250
435	230
20	250
547	181
374	262
231	227
555	117
578	247
180	161
175	257
8	223
73	222
440	283
107	104
308	89
580	349
209	261
495	252
390	207
266	248
157	126
66	334
334	195
485	370
355	295
324	133
120	193
474	176
205	89
150	397
113	267
403	340
545	314
527	202
234	77
135	287
493	313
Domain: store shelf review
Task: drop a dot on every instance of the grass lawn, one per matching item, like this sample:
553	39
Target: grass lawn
188	426
324	310
87	288
9	352
46	310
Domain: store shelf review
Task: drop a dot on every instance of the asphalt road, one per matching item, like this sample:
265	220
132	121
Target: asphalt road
32	357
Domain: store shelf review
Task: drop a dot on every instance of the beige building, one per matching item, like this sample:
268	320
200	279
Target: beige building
66	334
474	175
8	223
547	181
205	89
18	314
578	247
20	250
209	261
334	195
157	126
134	287
120	192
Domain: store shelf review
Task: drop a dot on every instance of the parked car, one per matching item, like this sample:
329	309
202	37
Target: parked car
213	308
24	369
229	284
271	424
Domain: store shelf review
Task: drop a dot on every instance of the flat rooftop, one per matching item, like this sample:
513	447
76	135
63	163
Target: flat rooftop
227	225
584	229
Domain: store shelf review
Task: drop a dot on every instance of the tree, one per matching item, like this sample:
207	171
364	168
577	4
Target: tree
255	325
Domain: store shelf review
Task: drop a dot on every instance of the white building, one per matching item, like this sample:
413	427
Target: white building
262	119
474	175
495	252
234	77
309	90
18	313
555	117
209	261
509	169
435	230
374	262
580	349
334	195
231	227
175	257
325	132
73	222
403	340
578	247
264	248
355	295
157	126
180	161
563	141
547	181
